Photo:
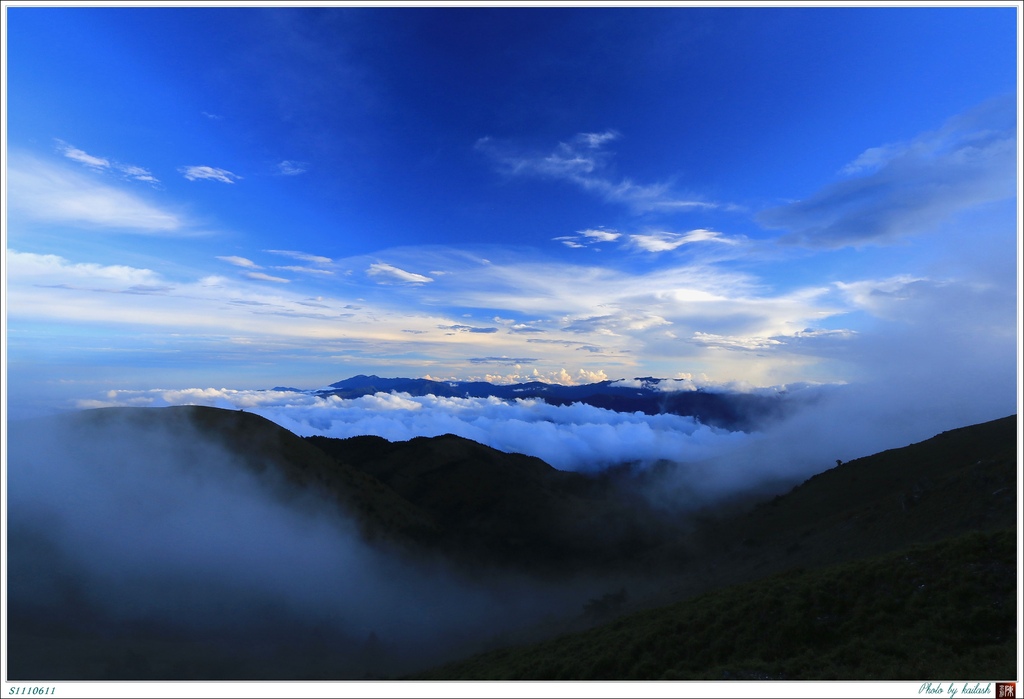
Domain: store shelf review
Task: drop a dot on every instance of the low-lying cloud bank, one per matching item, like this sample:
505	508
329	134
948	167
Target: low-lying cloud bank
115	528
161	527
575	437
822	423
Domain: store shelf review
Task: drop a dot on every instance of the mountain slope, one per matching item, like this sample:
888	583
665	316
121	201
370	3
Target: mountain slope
836	570
502	508
943	610
959	481
502	516
269	449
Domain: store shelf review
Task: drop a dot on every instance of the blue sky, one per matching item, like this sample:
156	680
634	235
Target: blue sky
252	197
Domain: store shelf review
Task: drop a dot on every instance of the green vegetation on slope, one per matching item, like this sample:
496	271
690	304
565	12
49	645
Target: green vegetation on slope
498	508
269	449
941	610
957	482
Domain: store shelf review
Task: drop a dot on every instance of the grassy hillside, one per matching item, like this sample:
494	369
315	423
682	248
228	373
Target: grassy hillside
957	482
862	516
507	509
941	610
265	447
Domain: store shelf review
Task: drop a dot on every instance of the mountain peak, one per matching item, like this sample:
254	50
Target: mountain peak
732	410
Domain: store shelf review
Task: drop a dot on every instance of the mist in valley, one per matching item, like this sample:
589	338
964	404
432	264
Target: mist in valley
126	533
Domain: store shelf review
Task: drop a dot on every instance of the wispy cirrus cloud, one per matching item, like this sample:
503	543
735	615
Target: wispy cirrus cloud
587	237
664	241
305	270
584	161
239	261
389	273
133	172
82	157
246	263
263	277
622	322
291	167
205	172
652	241
302	256
138	173
897	190
46	191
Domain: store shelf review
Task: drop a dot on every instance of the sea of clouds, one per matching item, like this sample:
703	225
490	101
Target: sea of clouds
184	540
822	423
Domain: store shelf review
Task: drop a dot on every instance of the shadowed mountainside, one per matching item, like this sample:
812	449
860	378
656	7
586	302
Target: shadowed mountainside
267	448
899	565
959	481
826	563
940	610
508	509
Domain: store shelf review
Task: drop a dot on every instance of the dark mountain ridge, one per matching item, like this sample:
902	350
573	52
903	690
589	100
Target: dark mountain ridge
962	480
509	509
899	565
731	410
263	447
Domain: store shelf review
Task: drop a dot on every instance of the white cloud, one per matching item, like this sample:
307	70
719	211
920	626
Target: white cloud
104	164
390	272
302	256
735	343
596	140
47	192
871	159
291	167
239	261
305	270
260	276
878	295
895	191
570	241
53	269
205	172
664	241
620	323
576	437
587	237
655	241
600	235
138	173
83	157
583	162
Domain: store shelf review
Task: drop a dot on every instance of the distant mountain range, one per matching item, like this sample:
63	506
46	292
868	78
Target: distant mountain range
732	410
